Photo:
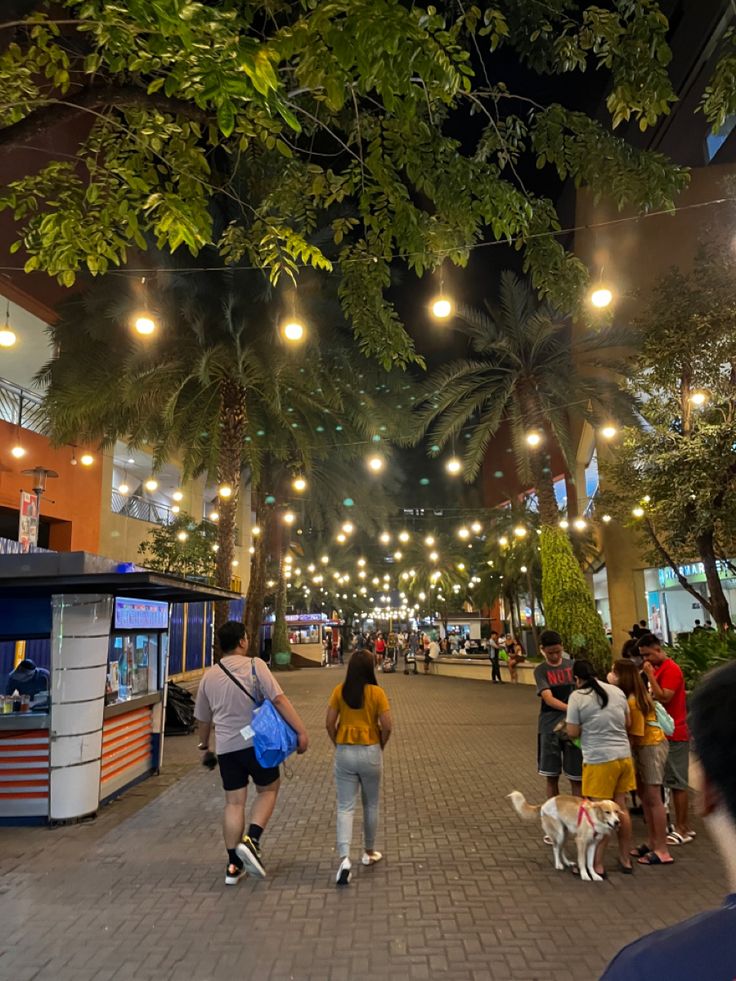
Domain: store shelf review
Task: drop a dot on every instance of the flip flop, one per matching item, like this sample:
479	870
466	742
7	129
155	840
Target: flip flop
675	838
640	851
652	858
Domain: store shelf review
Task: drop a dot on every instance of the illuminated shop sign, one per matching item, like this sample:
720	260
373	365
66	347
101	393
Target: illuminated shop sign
694	572
139	614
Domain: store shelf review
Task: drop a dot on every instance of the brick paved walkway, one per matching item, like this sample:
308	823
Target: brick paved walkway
465	891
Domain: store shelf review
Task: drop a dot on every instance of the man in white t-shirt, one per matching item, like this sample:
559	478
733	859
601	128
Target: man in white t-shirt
220	702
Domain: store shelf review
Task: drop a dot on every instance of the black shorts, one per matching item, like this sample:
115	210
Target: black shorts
236	767
556	755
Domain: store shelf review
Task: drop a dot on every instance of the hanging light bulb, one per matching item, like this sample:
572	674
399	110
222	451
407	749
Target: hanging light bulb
151	484
433	557
503	541
453	465
299	484
520	531
144	324
324	559
385	538
404	536
214	516
601	297
341	538
606	518
361	562
698	398
182	536
638	512
293	331
7	334
348	528
533	439
123	488
476	527
579	524
175	509
375	463
441	307
225	491
429	541
288	517
609	431
177	496
18	451
463	533
86	459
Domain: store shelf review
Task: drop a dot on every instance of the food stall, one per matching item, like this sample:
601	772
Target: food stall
100	726
306	636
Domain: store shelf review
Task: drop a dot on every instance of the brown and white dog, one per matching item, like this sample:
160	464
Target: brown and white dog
563	816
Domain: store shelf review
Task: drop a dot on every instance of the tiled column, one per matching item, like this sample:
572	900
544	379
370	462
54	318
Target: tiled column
80	636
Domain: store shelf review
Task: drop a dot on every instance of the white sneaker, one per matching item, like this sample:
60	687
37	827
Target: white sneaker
344	873
370	858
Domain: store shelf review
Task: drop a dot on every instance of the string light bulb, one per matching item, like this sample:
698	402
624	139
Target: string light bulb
579	524
463	533
609	431
177	496
7	334
441	307
123	488
348	527
638	512
564	524
86	459
698	398
429	541
151	484
225	491
404	536
520	531
214	516
601	297
255	530
293	331
606	519
375	463
453	466
533	439
288	517
182	536
18	451
299	484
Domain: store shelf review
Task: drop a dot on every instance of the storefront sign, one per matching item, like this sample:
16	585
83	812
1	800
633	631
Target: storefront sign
28	521
306	617
694	572
139	614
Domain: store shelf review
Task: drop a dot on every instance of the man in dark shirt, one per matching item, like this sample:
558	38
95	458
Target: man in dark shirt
554	680
701	947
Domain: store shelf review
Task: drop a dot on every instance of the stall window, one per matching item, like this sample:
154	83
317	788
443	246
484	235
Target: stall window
132	666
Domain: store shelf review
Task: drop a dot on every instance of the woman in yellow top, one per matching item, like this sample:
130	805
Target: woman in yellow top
359	724
649	748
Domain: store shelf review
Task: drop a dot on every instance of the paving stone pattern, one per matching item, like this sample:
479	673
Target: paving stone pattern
466	891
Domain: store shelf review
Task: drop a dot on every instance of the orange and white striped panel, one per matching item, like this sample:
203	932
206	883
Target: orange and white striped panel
24	773
126	749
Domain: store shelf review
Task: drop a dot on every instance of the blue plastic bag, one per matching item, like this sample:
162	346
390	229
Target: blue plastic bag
273	738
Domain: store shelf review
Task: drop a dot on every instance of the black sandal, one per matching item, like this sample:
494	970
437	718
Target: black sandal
640	852
625	869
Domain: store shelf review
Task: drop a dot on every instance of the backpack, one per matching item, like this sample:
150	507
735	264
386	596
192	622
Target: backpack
665	722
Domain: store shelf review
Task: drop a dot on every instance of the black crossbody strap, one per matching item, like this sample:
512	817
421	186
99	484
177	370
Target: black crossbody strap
232	677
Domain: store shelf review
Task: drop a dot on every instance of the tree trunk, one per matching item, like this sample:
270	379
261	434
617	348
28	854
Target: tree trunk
232	425
280	635
257	582
718	604
549	512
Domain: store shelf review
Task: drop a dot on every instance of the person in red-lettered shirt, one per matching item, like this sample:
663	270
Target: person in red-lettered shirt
668	687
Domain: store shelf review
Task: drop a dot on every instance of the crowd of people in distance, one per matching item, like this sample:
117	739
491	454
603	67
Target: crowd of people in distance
609	738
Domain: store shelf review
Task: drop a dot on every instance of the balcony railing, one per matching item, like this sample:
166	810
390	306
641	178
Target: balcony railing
141	508
20	407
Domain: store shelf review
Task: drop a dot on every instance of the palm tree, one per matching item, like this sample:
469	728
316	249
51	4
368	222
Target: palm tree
202	389
527	368
530	370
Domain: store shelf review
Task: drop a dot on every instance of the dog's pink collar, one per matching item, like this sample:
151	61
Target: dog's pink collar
583	813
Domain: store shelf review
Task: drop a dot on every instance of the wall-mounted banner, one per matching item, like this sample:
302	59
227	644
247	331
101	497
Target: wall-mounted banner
28	521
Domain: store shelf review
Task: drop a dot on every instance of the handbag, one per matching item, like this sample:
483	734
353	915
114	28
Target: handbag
273	738
664	720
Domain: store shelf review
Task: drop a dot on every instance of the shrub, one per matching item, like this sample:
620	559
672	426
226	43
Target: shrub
702	650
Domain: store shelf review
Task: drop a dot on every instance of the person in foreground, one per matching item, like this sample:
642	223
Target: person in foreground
555	684
703	946
359	724
222	703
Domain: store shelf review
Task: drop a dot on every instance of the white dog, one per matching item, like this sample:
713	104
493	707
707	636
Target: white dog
587	821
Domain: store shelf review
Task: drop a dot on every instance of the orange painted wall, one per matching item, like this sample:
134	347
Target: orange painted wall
75	493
